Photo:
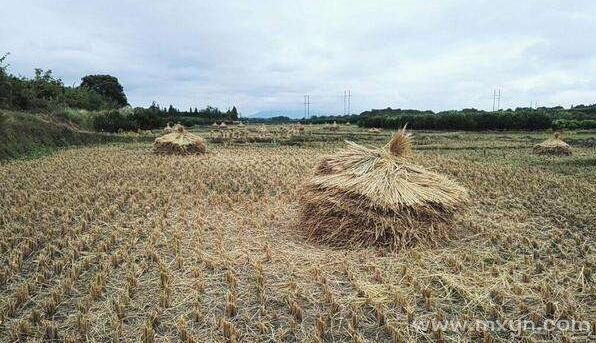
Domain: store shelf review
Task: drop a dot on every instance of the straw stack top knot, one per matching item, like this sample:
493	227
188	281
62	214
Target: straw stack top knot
179	128
400	144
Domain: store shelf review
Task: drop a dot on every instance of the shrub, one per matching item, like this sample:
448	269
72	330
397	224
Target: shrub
573	124
81	118
113	121
147	119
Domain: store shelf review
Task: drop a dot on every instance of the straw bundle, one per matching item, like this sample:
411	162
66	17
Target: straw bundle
399	145
363	197
553	146
168	128
374	130
334	127
180	141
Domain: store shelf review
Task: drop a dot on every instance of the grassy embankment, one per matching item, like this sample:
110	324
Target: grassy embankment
27	135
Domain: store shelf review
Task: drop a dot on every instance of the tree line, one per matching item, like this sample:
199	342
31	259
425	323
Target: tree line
155	116
521	118
44	92
103	95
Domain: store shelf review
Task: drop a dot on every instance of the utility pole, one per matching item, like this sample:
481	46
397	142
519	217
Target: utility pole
496	99
345	103
349	102
307	106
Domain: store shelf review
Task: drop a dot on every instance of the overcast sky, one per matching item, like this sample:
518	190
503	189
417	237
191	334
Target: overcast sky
265	55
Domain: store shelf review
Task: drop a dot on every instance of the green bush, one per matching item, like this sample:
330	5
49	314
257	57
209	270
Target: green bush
114	121
3	119
572	124
147	118
82	118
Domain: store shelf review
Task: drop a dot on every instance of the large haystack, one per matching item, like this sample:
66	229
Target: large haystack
180	141
364	197
553	146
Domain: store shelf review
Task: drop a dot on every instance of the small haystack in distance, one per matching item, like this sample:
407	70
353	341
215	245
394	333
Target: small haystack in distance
180	141
168	128
334	127
375	130
364	197
223	125
553	146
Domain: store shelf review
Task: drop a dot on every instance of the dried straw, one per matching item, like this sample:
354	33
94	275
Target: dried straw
363	196
553	146
400	145
180	141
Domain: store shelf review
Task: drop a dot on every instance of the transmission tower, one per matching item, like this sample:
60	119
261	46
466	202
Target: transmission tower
496	99
349	102
306	106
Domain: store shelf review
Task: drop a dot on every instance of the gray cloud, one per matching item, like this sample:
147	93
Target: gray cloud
265	55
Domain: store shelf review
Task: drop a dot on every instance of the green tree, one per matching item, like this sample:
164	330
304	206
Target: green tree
4	83
108	86
234	113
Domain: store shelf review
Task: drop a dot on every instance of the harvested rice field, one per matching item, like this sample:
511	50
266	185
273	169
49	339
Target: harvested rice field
115	243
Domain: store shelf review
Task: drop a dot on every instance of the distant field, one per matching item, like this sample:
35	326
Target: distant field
112	243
